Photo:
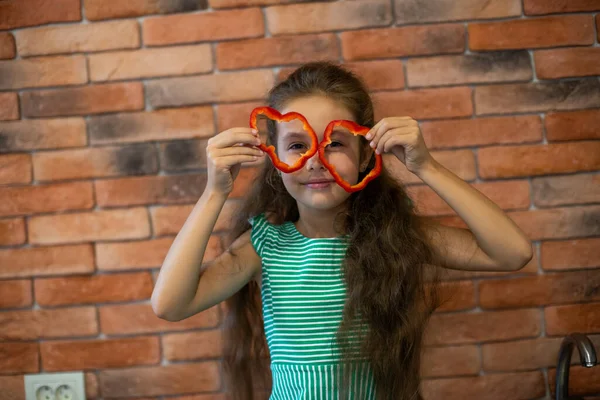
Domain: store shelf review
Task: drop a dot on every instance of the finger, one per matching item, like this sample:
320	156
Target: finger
228	139
398	136
390	123
231	151
229	161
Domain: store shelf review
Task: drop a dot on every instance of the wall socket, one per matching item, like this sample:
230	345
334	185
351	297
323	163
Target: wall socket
55	386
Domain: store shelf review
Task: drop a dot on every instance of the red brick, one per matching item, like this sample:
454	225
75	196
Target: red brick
570	189
448	361
93	99
402	42
9	106
18	14
419	11
273	51
90	226
42	134
13	386
12	231
525	354
168	220
202	27
563	320
102	9
7	45
19	358
189	346
16	293
19	200
526	160
476	327
234	115
508	195
535	97
380	74
78	38
143	254
532	33
47	261
161	380
572	125
48	324
570	254
167	124
148	63
106	288
15	168
224	87
525	385
541	290
562	63
424	103
150	190
558	223
482	131
456	296
99	354
248	3
533	7
319	17
42	71
582	381
472	68
598	28
460	162
139	318
95	162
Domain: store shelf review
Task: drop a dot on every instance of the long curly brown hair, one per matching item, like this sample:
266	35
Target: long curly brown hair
386	267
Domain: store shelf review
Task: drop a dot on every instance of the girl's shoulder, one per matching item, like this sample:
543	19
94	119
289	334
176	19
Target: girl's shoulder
264	231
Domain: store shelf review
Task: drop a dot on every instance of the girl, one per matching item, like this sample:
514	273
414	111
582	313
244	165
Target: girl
328	292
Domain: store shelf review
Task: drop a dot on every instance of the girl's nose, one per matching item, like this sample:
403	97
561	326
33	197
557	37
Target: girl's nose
314	162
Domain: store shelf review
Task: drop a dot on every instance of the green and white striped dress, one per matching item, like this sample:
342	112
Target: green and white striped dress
303	295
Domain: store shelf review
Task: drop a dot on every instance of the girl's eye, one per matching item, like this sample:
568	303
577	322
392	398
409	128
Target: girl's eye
292	147
332	143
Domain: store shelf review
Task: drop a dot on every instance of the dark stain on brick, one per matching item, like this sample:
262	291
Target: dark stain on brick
175	6
444	39
564	93
502	60
111	128
6	142
419	10
53	103
182	155
136	159
590	221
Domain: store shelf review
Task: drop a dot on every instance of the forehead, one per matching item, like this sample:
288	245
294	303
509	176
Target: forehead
318	111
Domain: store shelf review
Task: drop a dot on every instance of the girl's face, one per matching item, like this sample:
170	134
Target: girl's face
343	152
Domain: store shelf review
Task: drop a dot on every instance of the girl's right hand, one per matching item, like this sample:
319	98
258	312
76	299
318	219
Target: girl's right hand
224	154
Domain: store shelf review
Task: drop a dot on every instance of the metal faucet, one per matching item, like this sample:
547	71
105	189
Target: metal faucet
587	356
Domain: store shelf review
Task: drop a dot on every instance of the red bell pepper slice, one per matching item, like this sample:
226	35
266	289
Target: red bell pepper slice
355	129
275	115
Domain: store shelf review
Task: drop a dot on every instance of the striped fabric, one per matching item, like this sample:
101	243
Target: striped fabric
303	295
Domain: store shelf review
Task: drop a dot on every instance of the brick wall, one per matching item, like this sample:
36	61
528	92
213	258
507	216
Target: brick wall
106	107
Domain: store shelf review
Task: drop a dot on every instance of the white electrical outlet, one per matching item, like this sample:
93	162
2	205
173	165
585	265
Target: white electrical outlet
55	386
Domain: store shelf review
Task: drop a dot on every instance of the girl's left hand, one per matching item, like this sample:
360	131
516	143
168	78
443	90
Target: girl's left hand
402	137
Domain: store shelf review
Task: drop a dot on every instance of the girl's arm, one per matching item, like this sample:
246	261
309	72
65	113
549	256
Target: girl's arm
493	241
